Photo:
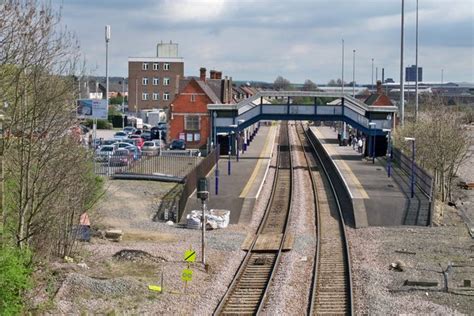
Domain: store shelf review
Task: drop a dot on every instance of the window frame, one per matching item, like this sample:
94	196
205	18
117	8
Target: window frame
144	66
166	66
144	81
157	80
156	66
166	96
155	96
196	123
166	81
145	96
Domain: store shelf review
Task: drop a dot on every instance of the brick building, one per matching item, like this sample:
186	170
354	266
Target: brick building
153	81
189	117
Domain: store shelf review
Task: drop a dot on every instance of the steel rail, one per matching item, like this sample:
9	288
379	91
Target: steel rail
254	270
313	298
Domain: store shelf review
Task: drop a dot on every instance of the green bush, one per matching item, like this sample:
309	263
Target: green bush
15	274
101	124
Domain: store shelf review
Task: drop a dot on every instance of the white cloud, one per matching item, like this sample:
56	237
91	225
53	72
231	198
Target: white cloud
191	10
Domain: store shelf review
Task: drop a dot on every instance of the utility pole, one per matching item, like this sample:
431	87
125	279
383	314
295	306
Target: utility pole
416	63
372	74
353	72
402	84
107	39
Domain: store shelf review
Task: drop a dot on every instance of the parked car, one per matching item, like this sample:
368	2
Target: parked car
150	148
105	152
129	130
139	140
156	132
123	144
121	135
178	144
146	135
136	152
110	141
121	157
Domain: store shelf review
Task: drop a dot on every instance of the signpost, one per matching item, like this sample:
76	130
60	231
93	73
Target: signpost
187	274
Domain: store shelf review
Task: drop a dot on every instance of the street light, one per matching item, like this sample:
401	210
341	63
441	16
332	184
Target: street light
372	75
389	150
238	138
353	72
214	114
412	184
372	125
233	126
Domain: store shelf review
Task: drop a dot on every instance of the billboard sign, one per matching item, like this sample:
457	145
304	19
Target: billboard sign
92	109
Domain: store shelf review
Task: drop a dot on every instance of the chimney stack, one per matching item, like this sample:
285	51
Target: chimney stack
379	87
218	74
212	74
202	74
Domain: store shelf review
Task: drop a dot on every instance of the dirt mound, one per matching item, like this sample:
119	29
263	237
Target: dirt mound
135	255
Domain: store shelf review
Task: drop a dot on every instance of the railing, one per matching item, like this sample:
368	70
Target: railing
152	165
200	171
423	180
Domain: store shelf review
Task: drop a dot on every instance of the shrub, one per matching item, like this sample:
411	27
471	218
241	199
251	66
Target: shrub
15	274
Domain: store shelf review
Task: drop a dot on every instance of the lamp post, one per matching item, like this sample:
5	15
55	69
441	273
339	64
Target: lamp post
372	126
402	83
372	75
412	182
123	103
353	72
389	150
416	65
233	126
214	114
107	39
238	138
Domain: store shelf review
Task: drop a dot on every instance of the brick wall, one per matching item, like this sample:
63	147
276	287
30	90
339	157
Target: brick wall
184	105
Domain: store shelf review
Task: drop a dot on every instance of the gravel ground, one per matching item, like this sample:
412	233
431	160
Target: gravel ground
289	292
111	285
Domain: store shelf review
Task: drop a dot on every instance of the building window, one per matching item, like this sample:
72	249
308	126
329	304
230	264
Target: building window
156	96
197	137
144	96
166	96
155	66
144	81
156	81
166	81
145	66
193	97
166	66
191	123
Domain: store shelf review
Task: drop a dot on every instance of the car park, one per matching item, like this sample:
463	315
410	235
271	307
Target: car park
123	144
150	148
178	144
146	135
120	135
105	152
121	157
138	140
129	130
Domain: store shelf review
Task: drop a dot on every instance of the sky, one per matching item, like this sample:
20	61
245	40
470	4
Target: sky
258	40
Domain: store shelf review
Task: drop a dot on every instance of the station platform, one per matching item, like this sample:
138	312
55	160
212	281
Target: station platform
377	200
238	191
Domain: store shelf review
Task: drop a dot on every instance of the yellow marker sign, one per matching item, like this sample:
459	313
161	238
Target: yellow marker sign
187	275
190	255
155	288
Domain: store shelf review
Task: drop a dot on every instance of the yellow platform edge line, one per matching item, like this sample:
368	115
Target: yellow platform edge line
341	164
263	153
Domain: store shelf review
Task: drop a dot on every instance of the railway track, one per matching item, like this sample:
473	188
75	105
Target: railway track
246	294
331	289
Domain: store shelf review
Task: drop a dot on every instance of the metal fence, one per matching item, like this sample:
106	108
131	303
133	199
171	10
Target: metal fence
201	170
422	178
177	166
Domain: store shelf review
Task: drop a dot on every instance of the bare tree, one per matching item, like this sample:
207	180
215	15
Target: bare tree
441	143
309	86
45	166
281	83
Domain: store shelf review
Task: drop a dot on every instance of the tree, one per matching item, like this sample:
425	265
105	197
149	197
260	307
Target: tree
309	86
441	143
281	83
47	174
